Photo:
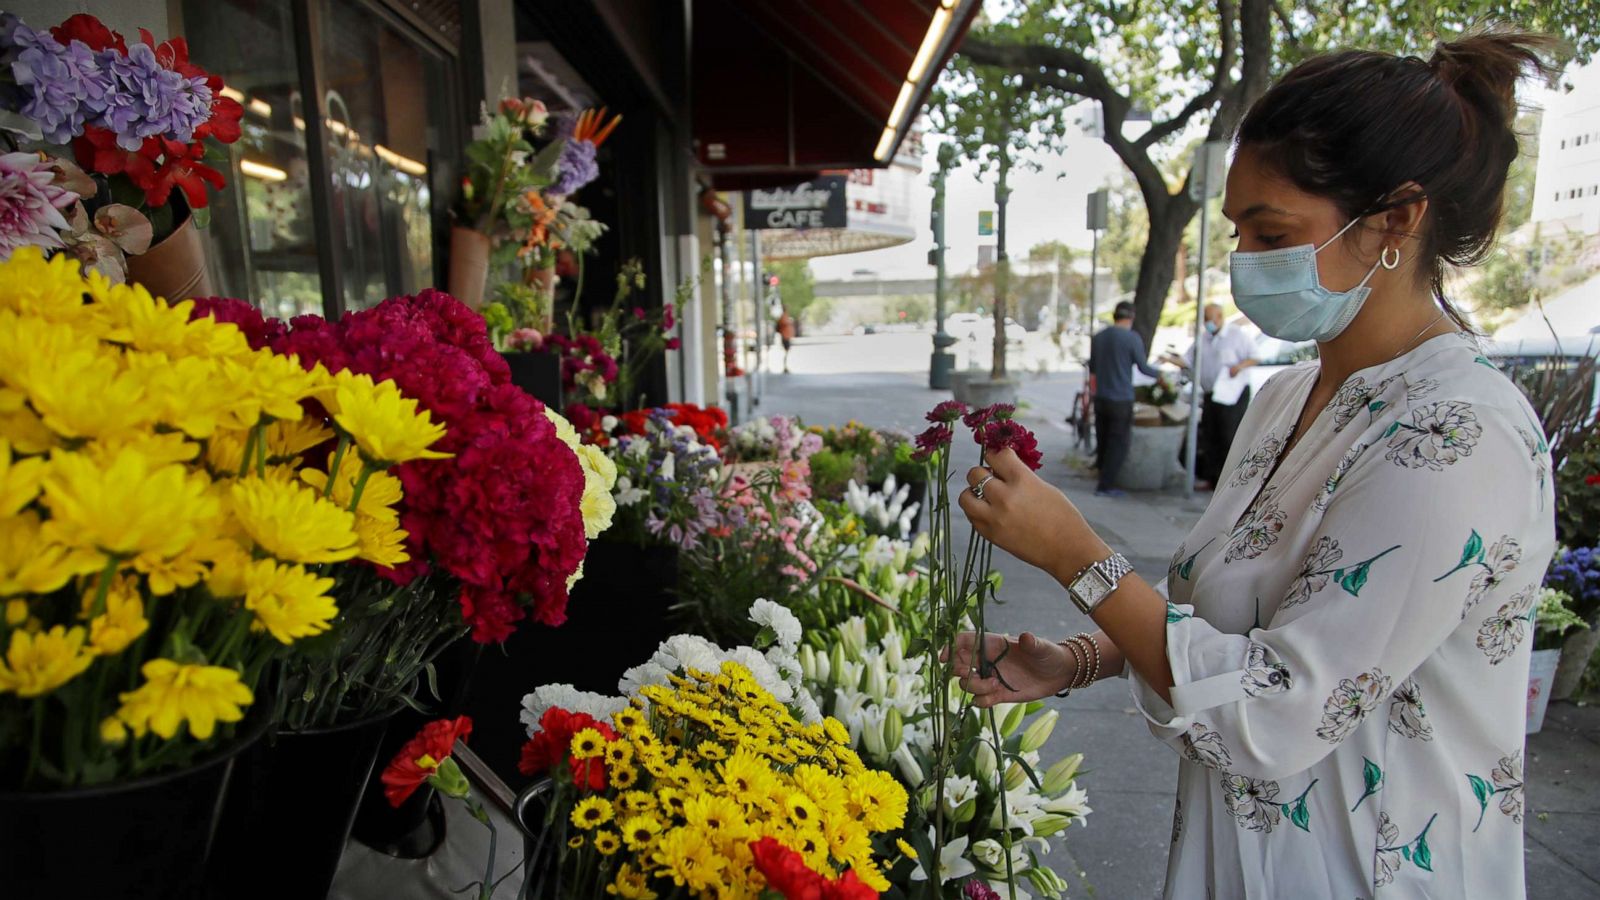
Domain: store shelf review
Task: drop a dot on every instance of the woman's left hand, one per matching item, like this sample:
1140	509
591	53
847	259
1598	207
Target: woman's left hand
1028	518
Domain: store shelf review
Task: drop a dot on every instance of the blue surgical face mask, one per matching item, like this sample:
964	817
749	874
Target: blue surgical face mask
1280	291
1211	328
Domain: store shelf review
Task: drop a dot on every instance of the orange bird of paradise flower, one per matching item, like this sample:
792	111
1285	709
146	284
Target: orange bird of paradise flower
592	126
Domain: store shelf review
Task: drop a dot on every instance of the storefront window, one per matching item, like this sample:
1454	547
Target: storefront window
262	244
389	118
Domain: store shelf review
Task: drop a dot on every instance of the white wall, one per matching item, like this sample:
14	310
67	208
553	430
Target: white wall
124	16
1567	179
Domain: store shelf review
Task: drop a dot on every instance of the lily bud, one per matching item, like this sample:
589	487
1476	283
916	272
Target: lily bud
894	729
872	737
894	652
965	812
1015	776
984	762
1014	714
1039	731
808	663
1059	776
908	767
1049	824
836	661
1046	881
989	853
877	679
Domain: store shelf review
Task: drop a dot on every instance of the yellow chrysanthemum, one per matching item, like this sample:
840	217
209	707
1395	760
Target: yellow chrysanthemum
230	566
591	812
166	575
159	448
623	777
26	431
847	838
289	602
801	810
877	799
266	384
836	731
290	438
746	773
292	522
175	693
17	613
32	564
38	663
381	542
672	801
867	869
908	851
132	316
635	802
686	856
186	393
19	480
225	451
588	743
123	620
607	842
718	814
125	506
112	731
640	831
50	289
630	884
88	394
385	424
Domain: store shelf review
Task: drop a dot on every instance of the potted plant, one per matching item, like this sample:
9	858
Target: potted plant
1553	620
144	123
162	558
1575	571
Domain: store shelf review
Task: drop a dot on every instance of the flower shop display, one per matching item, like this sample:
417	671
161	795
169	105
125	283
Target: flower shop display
707	783
770	439
886	511
1553	621
142	121
1575	573
162	550
603	364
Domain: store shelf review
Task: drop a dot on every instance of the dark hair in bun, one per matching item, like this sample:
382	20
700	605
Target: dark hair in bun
1355	125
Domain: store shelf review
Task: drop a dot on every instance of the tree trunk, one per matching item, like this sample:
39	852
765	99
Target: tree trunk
1158	264
1002	269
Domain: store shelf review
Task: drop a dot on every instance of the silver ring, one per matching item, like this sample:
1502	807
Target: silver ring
977	489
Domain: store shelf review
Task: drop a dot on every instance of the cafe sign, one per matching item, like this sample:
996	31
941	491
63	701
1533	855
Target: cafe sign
818	203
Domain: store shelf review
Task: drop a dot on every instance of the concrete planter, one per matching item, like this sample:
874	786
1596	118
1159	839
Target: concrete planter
1152	463
983	392
1576	651
959	379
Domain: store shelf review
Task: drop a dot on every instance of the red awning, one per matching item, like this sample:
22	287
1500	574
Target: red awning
783	89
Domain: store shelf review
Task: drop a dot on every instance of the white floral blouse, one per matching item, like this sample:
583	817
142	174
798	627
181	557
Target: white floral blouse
1350	635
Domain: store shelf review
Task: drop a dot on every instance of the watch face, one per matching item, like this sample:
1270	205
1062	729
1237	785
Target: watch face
1092	587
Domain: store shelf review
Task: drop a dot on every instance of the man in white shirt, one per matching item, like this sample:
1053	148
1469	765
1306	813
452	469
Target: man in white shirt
1225	351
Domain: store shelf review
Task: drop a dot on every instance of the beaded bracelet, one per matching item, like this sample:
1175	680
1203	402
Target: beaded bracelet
1089	652
1078	659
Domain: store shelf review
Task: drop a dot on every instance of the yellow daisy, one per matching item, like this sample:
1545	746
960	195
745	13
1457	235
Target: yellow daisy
624	777
38	663
289	602
630	884
591	812
174	694
640	831
290	521
385	424
588	743
607	842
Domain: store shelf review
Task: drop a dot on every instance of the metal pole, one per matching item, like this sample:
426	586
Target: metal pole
1192	453
1002	271
1094	279
729	348
758	296
943	361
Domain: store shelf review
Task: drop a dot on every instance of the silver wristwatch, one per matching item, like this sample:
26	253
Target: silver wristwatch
1094	584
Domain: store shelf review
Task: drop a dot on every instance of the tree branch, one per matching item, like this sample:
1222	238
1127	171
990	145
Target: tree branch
1220	81
1288	26
1028	59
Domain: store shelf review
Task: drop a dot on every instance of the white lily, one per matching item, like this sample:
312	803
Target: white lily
953	862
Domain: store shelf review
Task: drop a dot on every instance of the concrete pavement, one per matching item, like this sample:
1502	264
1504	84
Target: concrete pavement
1131	778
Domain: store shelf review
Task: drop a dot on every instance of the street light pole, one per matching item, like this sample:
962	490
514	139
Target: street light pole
1208	163
758	296
943	361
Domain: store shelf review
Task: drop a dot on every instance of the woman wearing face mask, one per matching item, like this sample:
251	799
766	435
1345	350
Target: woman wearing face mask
1339	651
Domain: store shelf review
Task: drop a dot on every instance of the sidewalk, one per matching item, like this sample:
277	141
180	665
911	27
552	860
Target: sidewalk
1132	778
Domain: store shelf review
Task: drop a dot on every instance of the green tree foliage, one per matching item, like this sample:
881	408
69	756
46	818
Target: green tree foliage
796	287
1196	65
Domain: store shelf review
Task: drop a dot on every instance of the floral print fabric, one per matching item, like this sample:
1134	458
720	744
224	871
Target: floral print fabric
1350	641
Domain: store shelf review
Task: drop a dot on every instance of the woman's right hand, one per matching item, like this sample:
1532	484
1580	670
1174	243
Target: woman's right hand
1027	669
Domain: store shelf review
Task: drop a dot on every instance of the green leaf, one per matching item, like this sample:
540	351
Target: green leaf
1356	579
1481	789
1473	551
1174	614
1389	432
1376	406
1406	852
1185	570
1422	856
1371	774
1300	815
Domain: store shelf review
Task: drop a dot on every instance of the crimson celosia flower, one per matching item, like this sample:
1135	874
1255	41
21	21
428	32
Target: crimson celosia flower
787	873
553	744
420	757
1008	434
976	889
258	331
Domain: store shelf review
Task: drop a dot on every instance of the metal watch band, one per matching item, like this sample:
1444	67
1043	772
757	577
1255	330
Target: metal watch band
1098	581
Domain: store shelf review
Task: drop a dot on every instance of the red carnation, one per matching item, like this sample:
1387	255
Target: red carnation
786	872
553	744
947	412
421	755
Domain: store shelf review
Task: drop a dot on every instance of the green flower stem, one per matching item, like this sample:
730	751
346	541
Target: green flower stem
361	483
107	572
35	745
338	457
249	451
1005	823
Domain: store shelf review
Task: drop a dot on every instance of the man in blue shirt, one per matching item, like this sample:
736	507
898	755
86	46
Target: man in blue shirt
1113	354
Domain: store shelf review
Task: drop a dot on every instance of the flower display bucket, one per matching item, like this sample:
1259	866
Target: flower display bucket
1576	651
147	837
539	373
176	267
540	842
469	265
616	618
294	798
1541	677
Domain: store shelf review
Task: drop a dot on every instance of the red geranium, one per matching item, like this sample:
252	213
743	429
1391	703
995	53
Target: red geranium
707	421
420	757
553	744
1592	480
787	873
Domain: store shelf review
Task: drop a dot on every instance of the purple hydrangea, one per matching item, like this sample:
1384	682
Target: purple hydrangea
148	100
576	167
1577	571
64	86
